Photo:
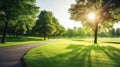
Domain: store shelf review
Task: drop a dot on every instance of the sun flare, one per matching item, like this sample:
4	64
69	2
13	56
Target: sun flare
92	16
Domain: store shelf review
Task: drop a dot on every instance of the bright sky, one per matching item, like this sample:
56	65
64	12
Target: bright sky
60	10
117	25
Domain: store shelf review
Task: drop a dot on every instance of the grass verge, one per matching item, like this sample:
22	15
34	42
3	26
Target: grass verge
76	53
12	41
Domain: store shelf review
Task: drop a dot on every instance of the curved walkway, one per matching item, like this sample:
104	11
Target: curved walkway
12	56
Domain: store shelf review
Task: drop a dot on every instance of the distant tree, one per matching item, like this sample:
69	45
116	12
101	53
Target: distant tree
70	32
112	32
76	32
81	32
15	9
118	32
105	34
107	13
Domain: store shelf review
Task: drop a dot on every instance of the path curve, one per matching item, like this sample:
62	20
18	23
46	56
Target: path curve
12	56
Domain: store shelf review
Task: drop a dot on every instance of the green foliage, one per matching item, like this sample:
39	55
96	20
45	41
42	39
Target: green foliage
81	32
60	30
13	11
108	12
77	32
75	53
118	32
44	24
113	33
1	26
110	33
70	33
20	27
105	34
47	25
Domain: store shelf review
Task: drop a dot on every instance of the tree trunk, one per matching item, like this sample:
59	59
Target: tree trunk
44	37
95	34
9	33
3	40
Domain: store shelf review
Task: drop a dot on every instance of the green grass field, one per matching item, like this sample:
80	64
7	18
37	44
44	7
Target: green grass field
12	41
76	53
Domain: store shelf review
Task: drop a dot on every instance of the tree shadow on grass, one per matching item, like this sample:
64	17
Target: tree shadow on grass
78	40
81	56
113	53
113	42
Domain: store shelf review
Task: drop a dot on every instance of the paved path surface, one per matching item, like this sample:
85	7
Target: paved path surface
12	56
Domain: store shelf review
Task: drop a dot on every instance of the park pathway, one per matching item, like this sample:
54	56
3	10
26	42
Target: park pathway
13	56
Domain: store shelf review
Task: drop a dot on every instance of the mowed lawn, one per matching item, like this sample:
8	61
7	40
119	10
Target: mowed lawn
12	41
76	53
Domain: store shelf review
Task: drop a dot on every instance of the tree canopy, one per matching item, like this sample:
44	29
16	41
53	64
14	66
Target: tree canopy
12	11
47	25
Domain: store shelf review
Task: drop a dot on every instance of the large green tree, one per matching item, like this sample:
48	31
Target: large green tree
14	10
107	12
48	25
44	25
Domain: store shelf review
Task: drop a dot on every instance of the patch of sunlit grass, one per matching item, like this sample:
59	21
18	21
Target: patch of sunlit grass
75	53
